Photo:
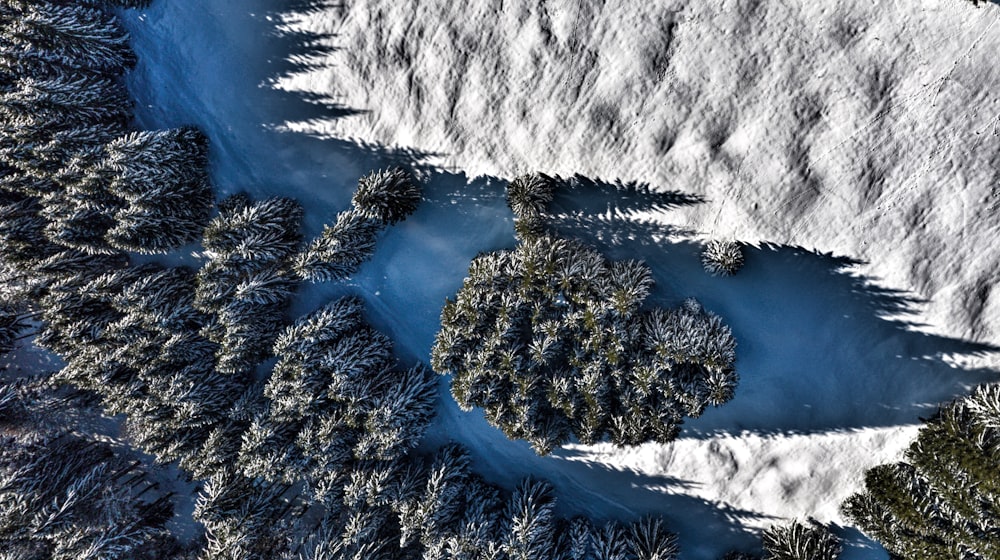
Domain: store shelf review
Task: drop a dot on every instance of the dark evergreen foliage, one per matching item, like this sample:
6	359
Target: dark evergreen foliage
43	37
68	496
722	258
550	341
798	541
381	199
340	250
528	196
386	196
161	177
246	283
944	501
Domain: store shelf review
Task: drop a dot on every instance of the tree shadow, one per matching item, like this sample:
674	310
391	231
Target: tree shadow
215	64
820	346
585	196
596	490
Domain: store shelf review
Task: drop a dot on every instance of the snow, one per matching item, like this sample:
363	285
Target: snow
854	143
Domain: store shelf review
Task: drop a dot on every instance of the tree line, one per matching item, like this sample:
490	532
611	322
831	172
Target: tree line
303	431
310	460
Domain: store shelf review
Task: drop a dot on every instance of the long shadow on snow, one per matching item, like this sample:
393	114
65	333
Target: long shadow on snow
213	64
818	350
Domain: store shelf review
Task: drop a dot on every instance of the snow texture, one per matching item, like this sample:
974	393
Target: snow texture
866	131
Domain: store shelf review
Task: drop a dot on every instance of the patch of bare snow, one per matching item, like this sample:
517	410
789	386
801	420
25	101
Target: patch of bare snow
865	129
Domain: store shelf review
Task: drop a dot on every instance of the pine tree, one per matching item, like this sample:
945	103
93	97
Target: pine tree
67	100
797	541
528	196
68	496
944	500
399	417
257	234
722	258
246	284
386	196
243	519
611	543
650	540
47	37
382	198
429	517
579	539
162	179
340	250
22	239
529	531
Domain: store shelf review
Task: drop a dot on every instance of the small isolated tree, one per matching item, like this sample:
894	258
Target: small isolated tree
722	258
528	196
386	196
797	541
382	198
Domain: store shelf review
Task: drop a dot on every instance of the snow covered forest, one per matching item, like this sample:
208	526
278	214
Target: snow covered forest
199	371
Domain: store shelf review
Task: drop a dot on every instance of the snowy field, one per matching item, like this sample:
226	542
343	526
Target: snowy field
854	143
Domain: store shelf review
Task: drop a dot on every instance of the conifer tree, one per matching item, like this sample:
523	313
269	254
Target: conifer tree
530	522
161	178
244	519
650	540
431	516
528	196
246	284
382	198
22	238
67	496
944	500
45	37
798	541
386	196
340	250
722	258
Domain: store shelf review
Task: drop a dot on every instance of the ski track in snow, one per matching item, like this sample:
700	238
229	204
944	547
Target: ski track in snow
846	128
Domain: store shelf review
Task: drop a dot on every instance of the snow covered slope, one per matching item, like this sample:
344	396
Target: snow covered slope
865	130
869	129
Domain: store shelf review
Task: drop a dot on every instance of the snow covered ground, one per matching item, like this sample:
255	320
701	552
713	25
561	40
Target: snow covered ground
865	131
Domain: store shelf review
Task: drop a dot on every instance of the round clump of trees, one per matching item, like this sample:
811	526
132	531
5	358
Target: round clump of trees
722	258
552	341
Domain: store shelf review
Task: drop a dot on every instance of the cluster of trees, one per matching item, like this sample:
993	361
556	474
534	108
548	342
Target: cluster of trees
74	176
551	340
313	457
943	500
64	495
67	493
